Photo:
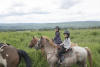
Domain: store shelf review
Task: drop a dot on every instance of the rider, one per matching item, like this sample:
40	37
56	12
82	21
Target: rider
65	45
57	38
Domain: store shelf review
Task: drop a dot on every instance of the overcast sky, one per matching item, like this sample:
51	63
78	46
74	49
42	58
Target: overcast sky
39	11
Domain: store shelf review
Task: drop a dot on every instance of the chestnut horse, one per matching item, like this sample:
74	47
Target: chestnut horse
33	42
78	55
11	57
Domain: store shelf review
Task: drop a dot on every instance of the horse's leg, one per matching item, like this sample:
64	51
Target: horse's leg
64	65
5	65
58	65
51	65
15	65
1	65
68	66
82	65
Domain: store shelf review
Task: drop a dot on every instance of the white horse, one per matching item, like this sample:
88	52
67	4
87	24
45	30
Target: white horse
78	55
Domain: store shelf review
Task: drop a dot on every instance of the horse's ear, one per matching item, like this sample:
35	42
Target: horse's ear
47	40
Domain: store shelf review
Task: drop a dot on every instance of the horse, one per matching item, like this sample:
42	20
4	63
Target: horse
33	42
11	57
78	54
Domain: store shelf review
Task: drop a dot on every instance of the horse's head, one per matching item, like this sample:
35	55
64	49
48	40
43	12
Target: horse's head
43	41
33	42
40	43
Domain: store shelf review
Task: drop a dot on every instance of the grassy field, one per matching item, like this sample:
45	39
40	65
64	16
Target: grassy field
84	37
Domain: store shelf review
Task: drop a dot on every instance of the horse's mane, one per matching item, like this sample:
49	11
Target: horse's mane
50	41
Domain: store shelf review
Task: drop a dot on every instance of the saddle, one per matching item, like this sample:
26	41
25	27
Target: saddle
67	53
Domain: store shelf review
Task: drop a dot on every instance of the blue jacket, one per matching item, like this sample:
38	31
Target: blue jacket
57	38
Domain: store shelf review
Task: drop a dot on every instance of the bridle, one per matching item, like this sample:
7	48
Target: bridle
40	46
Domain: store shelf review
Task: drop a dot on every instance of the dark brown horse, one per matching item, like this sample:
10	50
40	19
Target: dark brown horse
10	56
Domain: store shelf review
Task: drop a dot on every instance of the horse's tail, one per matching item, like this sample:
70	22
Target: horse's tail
26	58
89	56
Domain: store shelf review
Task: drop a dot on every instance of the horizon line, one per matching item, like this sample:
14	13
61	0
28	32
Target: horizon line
46	22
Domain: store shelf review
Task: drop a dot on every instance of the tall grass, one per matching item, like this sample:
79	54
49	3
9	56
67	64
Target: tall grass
84	37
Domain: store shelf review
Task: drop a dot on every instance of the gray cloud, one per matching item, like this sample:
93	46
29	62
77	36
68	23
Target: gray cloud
14	13
18	4
68	3
21	10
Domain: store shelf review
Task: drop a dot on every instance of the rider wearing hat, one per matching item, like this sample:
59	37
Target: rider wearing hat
57	38
65	45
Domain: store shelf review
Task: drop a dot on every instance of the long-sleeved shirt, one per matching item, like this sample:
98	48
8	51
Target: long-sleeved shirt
66	43
57	38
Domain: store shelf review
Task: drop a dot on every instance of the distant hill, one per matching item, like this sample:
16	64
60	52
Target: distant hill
25	26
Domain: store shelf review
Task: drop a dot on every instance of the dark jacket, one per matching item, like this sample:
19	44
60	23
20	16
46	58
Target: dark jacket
57	38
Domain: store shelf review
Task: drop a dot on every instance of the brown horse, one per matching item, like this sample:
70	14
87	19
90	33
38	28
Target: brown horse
33	42
10	56
78	56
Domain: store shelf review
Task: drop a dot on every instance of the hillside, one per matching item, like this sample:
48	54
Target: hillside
85	37
25	26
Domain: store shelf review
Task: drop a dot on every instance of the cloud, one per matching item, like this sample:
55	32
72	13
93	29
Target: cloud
69	3
14	13
49	10
20	9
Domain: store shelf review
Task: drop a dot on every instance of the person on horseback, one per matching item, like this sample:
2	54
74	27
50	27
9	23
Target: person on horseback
65	46
57	38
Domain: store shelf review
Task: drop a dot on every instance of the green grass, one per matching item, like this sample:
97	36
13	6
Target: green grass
84	37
